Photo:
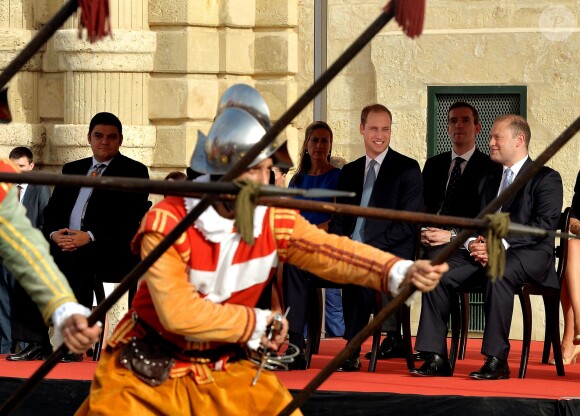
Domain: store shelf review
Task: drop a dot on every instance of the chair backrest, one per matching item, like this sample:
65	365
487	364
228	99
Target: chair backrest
561	251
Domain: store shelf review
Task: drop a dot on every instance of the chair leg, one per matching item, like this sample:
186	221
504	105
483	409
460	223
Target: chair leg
376	335
527	336
407	341
548	330
456	319
99	295
552	307
464	304
314	323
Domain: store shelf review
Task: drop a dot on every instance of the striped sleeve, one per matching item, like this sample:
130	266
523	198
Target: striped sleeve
338	259
26	254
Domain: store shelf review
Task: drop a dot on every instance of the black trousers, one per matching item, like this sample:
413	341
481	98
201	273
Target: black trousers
498	304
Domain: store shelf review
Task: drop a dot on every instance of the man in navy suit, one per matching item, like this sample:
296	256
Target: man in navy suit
24	321
446	194
538	204
397	184
90	230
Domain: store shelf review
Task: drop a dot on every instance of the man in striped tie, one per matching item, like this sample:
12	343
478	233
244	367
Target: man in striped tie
450	178
90	230
382	178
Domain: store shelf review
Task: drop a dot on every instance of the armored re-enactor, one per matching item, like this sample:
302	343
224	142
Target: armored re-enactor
26	255
182	347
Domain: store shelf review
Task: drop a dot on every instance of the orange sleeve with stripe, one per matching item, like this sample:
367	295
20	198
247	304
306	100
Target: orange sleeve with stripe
338	259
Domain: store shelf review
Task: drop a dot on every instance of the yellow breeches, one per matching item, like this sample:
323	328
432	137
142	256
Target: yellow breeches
115	390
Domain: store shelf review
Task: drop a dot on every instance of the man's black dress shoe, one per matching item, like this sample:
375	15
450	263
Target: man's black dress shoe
299	363
434	366
421	356
71	357
33	351
350	365
391	347
493	369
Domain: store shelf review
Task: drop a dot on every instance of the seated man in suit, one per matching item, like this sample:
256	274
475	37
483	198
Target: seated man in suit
90	231
25	253
382	178
538	204
450	178
27	324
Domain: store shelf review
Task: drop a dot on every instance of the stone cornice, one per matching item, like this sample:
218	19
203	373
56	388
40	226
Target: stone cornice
128	51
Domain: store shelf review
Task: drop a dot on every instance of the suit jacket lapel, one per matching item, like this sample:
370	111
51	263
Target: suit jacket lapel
113	165
444	177
384	170
358	179
28	194
492	187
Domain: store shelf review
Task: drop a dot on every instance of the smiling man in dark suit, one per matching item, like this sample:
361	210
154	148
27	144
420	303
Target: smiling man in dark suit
450	178
537	204
382	178
90	230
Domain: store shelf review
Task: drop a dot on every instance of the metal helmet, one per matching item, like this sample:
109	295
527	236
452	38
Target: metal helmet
241	121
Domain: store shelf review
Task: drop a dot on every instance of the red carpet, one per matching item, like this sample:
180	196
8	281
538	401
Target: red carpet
391	375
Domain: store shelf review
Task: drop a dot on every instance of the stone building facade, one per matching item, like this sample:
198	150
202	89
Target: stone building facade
170	60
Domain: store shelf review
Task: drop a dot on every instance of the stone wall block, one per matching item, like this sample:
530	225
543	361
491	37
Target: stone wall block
225	83
124	94
189	50
184	12
12	41
237	51
129	51
233	14
51	96
279	94
178	98
20	134
69	142
175	144
276	13
293	141
23	97
129	14
276	52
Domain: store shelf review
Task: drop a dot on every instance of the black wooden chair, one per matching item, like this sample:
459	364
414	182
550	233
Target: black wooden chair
551	298
314	316
405	319
314	325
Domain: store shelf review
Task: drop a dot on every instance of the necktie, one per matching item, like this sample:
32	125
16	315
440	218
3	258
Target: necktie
507	179
19	192
358	233
78	211
451	186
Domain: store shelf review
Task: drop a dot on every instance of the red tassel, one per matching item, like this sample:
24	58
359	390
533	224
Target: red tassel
410	14
95	18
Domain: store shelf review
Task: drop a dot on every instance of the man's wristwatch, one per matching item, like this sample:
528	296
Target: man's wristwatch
453	234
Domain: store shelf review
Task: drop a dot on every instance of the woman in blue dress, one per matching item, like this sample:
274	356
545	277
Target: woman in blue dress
314	171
